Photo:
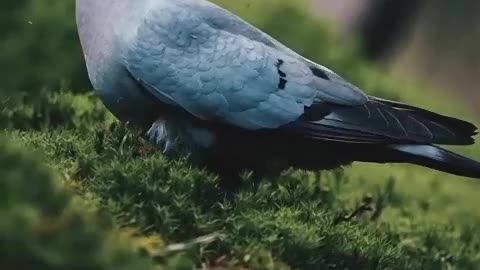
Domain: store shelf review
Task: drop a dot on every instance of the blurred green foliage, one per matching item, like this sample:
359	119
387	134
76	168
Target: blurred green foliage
42	226
52	110
39	46
405	217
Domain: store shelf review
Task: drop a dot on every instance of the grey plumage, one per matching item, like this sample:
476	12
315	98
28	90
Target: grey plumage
207	84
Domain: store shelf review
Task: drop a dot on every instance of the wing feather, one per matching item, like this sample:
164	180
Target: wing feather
379	122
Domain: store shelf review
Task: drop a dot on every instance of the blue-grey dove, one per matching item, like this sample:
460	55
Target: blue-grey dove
206	84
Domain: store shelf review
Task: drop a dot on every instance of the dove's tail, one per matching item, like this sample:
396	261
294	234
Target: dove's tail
436	158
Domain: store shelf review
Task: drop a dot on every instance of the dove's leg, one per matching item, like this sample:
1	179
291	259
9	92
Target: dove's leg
179	137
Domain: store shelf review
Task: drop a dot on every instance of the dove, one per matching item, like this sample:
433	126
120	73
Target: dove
205	84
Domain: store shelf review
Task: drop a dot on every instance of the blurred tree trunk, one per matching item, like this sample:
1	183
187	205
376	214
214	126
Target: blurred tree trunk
444	48
435	41
381	24
384	24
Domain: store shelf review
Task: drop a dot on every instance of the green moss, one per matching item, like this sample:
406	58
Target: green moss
295	220
45	226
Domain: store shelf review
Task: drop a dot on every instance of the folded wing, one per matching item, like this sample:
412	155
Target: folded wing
225	76
213	65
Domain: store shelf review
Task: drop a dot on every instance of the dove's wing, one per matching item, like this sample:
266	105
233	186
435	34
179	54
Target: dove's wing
190	61
220	18
202	59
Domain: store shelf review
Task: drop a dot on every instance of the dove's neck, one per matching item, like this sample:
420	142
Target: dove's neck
102	23
104	27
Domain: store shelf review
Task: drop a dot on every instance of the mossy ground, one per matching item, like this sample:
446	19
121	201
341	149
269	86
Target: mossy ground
111	201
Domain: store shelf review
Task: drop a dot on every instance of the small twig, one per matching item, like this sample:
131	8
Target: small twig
180	247
365	206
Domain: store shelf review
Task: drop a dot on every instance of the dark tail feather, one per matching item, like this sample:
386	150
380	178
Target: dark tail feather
436	158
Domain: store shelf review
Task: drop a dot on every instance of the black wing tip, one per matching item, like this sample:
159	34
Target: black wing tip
462	136
464	132
466	126
461	131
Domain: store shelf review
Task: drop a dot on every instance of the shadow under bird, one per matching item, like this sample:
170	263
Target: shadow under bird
204	83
